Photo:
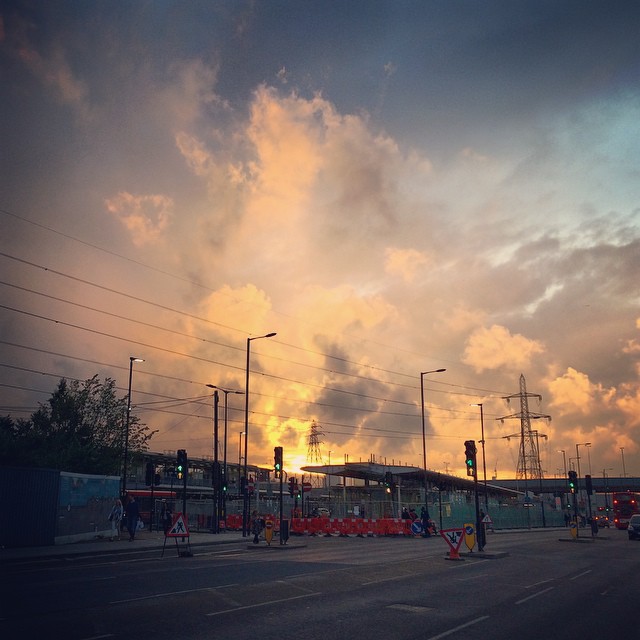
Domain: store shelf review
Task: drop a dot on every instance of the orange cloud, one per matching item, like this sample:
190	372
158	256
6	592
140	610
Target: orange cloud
496	347
572	392
145	217
404	263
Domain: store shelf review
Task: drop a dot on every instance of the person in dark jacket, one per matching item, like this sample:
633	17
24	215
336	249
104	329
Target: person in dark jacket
133	514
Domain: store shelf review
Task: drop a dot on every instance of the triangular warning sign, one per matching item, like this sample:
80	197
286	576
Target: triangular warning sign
179	528
454	539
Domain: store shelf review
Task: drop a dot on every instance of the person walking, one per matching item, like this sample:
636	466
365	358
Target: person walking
257	526
115	518
133	514
166	517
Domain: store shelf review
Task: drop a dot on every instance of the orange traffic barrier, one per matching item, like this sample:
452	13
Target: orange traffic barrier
297	526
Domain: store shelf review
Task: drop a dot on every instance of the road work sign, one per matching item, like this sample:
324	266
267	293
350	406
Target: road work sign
268	531
470	535
179	528
453	538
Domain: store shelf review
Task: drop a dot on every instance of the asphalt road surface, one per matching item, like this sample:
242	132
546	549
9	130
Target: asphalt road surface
530	585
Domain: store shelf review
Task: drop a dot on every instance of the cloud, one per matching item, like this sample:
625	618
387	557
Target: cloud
404	263
50	67
496	347
572	392
145	217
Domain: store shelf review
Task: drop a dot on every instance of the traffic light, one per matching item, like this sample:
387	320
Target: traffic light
223	483
588	484
181	464
573	481
277	461
292	486
470	457
388	481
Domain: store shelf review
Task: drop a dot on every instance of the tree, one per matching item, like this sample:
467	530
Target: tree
79	429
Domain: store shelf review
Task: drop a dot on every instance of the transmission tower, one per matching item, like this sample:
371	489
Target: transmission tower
313	450
529	458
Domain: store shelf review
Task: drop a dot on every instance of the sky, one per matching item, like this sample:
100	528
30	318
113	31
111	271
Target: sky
393	187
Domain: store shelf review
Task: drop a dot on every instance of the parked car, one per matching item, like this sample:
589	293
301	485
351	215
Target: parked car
603	521
634	527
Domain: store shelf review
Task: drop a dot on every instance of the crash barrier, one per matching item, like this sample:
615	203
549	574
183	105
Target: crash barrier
340	527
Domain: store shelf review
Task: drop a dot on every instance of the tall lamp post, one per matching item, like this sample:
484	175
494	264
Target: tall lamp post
424	436
132	359
224	445
566	477
484	462
240	434
582	444
245	497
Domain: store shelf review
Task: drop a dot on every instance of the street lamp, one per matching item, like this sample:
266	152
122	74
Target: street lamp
582	444
224	446
245	501
240	434
624	469
424	436
132	359
484	463
566	477
588	445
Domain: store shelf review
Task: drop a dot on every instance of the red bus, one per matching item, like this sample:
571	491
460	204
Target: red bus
625	504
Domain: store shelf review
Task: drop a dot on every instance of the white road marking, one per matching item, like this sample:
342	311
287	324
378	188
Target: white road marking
444	634
535	595
263	604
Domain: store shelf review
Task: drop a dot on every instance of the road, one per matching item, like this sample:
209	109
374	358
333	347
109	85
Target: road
342	588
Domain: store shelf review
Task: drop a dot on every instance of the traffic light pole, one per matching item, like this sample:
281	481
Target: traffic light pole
574	488
479	532
281	508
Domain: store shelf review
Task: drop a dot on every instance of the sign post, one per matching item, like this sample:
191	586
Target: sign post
268	531
470	536
454	538
179	529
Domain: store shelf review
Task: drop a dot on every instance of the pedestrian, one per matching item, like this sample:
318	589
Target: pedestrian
165	517
256	528
133	514
482	538
424	519
115	517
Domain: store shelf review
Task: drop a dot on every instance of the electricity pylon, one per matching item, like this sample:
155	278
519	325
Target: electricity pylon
529	458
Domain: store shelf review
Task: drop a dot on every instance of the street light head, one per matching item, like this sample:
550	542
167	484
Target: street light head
134	359
212	386
476	404
270	335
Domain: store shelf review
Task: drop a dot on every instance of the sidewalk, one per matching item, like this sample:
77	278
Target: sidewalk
143	540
